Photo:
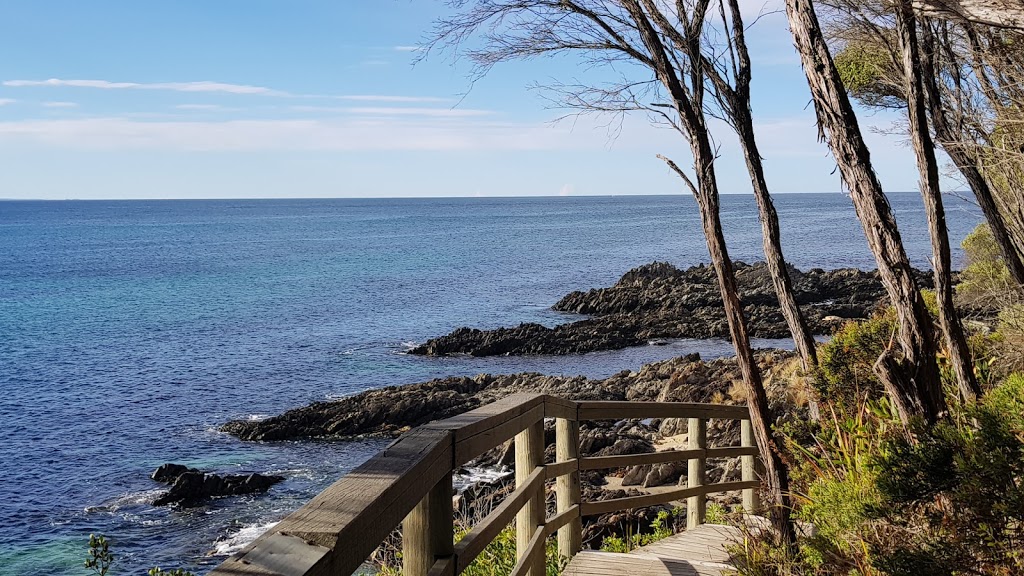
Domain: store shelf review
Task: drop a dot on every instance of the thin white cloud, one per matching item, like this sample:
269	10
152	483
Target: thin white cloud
199	107
395	99
434	112
60	105
204	86
6	101
394	111
408	48
314	134
215	87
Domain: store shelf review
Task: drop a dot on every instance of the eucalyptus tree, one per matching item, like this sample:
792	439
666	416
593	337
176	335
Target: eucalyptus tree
910	373
971	74
892	32
906	24
659	47
729	73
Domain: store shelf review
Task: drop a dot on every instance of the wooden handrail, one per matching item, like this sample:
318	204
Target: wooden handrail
408	482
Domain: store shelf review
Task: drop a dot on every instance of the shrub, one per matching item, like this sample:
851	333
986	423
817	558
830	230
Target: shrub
846	376
985	283
661	528
958	490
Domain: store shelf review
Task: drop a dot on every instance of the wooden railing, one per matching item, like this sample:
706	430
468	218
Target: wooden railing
410	484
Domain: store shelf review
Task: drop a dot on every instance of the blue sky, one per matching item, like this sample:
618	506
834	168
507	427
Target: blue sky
320	98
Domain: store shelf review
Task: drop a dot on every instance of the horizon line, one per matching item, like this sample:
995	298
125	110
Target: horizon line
497	196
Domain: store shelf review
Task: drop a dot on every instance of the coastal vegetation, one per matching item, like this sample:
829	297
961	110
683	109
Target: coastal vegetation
894	476
895	448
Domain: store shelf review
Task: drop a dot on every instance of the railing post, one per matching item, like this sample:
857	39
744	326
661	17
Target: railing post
751	496
697	438
567	443
428	530
529	455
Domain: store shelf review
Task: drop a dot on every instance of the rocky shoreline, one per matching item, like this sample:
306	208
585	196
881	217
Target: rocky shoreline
652	302
659	301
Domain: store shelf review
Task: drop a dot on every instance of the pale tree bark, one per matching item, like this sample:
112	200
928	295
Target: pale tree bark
928	168
964	92
689	107
911	377
734	99
605	32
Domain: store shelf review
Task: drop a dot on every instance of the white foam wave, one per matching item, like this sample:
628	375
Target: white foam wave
257	417
240	539
472	474
129	499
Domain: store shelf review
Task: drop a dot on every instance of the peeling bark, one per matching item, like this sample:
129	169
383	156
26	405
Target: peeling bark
915	375
928	168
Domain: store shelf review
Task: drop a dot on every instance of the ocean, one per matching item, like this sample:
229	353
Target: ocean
130	330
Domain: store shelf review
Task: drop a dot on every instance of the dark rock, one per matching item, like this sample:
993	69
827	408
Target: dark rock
391	411
658	301
168	473
190	487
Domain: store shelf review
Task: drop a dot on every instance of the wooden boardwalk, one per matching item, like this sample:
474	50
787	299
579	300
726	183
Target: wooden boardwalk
699	551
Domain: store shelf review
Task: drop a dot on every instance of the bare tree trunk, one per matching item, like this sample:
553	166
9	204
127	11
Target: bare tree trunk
965	162
928	167
735	101
690	108
772	237
912	380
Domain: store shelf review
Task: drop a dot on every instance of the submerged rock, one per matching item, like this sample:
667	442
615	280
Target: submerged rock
190	486
659	301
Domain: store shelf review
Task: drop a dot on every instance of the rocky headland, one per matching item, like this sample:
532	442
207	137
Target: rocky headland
659	301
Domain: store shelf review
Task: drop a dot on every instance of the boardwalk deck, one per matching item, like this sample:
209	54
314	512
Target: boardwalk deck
700	551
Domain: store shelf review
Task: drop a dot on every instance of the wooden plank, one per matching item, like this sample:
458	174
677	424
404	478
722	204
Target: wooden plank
530	519
603	462
473	543
603	506
751	498
470	447
488	416
561	519
697	439
561	468
427	530
617	410
443	567
731	451
528	561
286	556
555	407
593	563
356	513
567	486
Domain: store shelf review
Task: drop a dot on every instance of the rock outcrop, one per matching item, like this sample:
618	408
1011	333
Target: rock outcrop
191	487
393	410
659	301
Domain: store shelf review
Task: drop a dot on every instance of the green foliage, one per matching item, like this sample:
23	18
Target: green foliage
957	489
867	73
661	528
985	282
497	559
846	376
716	514
100	557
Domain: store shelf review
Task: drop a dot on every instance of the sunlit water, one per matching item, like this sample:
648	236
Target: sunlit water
129	331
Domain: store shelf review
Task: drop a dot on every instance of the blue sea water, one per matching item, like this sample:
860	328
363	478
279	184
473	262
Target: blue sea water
129	331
